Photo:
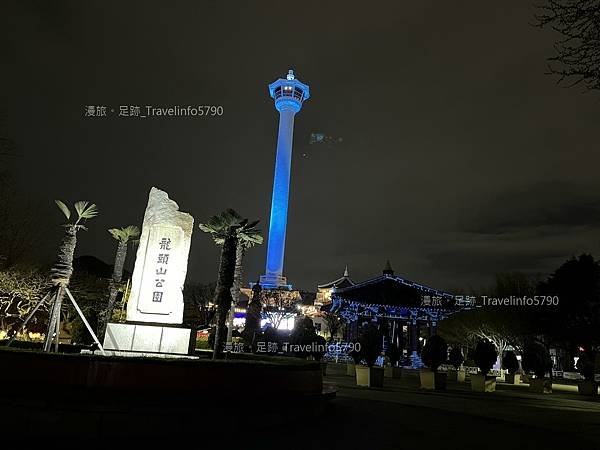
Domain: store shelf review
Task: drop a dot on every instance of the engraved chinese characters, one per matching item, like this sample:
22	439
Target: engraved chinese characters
163	258
161	262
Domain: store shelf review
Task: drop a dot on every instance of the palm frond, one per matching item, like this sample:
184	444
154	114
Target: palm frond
117	233
131	231
125	234
221	224
64	208
80	207
85	210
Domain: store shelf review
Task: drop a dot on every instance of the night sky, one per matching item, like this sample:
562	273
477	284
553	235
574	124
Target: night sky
460	158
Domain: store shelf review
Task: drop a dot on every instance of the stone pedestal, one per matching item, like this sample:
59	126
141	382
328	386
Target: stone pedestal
157	283
146	339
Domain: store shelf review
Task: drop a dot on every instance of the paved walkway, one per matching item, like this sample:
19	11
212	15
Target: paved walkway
402	414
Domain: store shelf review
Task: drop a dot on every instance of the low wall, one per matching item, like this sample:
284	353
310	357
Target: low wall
27	370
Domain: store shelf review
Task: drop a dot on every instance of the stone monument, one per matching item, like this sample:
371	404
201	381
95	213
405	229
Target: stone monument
155	304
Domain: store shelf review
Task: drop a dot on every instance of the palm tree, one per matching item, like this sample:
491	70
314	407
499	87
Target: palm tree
123	236
62	270
248	236
235	235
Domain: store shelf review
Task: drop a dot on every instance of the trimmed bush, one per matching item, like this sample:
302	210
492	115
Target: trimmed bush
485	355
370	344
585	366
456	357
536	359
510	362
393	353
435	352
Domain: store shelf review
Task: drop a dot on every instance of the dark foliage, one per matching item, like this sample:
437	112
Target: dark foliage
575	321
585	365
253	315
356	356
435	352
393	353
510	362
319	347
577	50
536	359
485	355
370	344
456	357
303	335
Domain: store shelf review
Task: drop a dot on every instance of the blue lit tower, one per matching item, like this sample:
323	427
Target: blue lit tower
288	93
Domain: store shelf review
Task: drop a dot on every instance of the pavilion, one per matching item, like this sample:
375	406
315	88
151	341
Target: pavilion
404	306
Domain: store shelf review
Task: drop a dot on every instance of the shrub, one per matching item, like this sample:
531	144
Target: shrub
303	335
211	337
485	355
456	357
356	356
435	352
585	366
370	344
536	359
510	362
393	353
319	343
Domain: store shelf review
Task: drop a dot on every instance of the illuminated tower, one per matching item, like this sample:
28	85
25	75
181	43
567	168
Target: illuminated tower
288	94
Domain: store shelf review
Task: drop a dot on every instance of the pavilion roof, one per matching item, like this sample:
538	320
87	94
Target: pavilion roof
392	290
342	282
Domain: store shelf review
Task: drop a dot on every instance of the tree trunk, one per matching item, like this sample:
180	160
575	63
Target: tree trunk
237	285
61	274
63	268
113	287
253	315
223	290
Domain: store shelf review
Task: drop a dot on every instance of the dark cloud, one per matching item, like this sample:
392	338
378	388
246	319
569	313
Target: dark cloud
444	109
537	208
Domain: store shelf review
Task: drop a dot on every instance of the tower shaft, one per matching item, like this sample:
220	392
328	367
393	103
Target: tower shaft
279	201
289	95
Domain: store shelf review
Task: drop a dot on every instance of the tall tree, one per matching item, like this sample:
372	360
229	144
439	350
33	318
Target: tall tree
198	298
253	315
577	56
234	234
123	236
334	323
575	320
62	270
223	229
248	236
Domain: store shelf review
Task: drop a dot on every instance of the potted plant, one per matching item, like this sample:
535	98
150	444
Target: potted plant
393	354
536	359
510	363
585	365
370	348
351	366
456	358
485	355
433	355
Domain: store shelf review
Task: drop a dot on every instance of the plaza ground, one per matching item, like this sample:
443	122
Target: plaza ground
398	416
401	415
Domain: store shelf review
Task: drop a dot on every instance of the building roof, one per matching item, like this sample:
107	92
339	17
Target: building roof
392	290
343	282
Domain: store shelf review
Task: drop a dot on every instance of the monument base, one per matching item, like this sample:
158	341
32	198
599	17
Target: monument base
128	337
274	282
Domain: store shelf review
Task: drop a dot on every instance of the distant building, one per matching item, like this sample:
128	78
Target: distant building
324	290
400	307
